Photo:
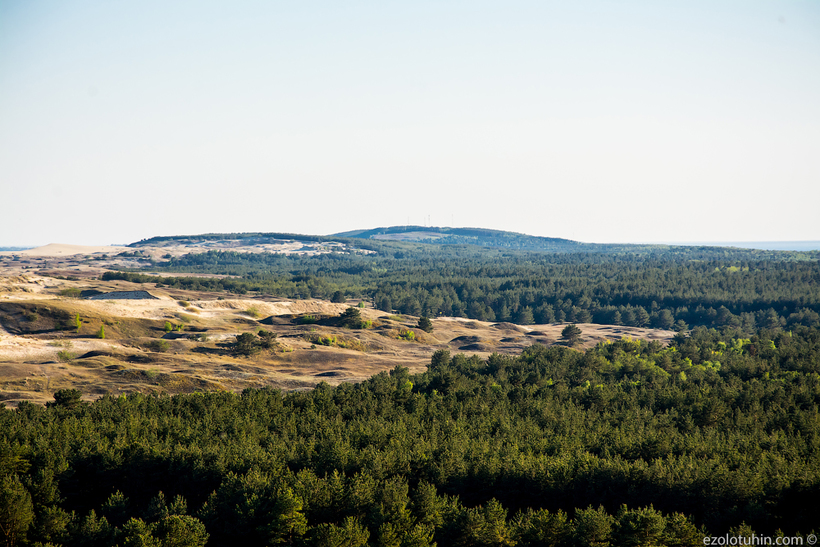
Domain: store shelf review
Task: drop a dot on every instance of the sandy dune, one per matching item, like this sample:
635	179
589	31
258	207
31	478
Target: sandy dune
61	249
42	351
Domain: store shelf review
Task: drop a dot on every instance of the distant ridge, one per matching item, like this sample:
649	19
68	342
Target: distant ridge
468	236
436	232
807	245
397	239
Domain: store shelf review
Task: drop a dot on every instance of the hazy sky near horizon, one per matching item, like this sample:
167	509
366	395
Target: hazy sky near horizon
600	121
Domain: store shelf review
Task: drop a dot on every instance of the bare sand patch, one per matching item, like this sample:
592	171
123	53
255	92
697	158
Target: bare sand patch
62	249
139	354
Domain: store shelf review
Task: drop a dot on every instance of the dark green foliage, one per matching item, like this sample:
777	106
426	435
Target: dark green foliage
542	528
92	530
639	527
67	398
181	531
351	318
349	534
661	287
16	510
246	344
267	339
116	508
572	334
628	443
425	324
592	528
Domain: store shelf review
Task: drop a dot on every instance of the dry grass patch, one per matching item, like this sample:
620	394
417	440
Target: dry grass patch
65	356
133	357
408	335
253	311
332	340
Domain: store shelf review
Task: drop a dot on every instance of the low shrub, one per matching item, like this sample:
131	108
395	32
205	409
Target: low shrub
331	340
71	292
158	346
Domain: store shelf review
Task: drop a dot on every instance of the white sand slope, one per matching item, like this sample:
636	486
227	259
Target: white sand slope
60	249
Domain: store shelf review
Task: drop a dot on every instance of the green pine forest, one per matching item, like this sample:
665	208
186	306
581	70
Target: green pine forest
644	286
627	443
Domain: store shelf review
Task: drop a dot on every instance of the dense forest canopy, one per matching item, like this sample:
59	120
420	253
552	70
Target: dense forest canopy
629	443
658	286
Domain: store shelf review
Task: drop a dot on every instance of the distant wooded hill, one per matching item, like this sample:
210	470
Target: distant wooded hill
390	239
473	236
503	276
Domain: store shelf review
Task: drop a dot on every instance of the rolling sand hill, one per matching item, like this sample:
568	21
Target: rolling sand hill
42	350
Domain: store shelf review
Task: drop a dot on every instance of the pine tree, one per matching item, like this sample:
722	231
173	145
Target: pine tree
425	324
16	510
351	318
287	521
572	334
246	344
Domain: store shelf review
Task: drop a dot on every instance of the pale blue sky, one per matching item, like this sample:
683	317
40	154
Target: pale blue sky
597	121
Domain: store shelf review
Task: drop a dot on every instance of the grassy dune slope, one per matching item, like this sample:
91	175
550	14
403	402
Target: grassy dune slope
42	350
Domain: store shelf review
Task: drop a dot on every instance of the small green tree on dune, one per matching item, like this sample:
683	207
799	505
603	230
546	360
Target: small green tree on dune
572	334
351	318
246	344
267	339
67	398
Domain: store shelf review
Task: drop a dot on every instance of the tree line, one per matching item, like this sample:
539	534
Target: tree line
671	292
